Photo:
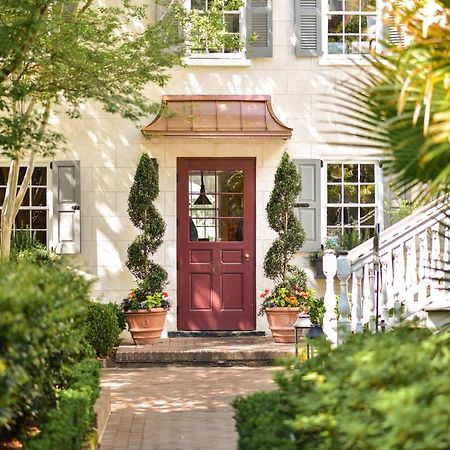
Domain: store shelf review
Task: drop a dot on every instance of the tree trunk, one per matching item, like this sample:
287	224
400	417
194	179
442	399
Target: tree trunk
8	215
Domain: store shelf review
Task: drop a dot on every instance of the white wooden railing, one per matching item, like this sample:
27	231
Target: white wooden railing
403	277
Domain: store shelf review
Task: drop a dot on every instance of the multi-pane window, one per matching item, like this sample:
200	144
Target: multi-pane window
351	201
215	26
33	214
216	205
351	26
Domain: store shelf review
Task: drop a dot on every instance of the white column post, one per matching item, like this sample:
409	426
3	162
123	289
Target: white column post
372	324
343	273
329	319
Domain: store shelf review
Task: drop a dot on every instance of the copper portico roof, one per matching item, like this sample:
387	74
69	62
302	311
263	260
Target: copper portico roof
217	116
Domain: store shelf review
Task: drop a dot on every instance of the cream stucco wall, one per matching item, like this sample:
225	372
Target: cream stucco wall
109	148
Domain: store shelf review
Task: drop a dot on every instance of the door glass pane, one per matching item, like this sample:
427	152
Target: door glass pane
230	181
230	229
216	205
230	205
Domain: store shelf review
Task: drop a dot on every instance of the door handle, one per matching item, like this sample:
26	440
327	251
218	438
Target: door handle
215	268
246	256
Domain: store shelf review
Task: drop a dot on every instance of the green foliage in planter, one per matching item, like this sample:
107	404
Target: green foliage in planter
65	426
281	218
151	276
102	328
384	391
42	315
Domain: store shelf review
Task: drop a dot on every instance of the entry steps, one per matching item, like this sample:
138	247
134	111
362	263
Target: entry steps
201	351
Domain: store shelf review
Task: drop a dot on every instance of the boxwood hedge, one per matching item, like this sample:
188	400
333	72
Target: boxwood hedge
384	391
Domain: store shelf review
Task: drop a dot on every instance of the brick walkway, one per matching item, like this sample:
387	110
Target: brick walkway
177	408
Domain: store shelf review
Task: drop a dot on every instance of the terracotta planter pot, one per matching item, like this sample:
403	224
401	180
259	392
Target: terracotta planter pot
281	323
146	325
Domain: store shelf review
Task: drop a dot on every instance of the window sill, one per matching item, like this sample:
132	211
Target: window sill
223	62
329	61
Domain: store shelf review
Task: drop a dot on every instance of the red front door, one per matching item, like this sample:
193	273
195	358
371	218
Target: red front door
216	244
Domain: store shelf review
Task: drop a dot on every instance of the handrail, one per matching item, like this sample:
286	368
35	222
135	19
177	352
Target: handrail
405	229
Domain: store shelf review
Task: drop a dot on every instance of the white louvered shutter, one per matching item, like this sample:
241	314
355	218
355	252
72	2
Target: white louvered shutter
308	28
66	206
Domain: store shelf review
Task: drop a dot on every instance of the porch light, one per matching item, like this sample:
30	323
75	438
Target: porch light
314	333
202	199
302	325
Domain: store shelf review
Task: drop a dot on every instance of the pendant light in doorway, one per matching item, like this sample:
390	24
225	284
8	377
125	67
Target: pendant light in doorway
202	199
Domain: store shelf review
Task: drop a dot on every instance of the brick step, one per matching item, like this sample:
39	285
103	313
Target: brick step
201	351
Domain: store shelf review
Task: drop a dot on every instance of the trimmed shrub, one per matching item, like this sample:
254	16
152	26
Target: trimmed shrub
256	425
42	315
102	328
281	218
65	427
151	276
384	391
121	321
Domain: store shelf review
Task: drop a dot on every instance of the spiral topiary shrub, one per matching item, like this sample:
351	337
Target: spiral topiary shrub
150	276
281	218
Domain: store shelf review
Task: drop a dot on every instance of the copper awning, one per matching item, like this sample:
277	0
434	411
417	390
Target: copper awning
217	116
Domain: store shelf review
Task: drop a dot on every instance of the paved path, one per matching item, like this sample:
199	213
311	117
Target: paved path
177	408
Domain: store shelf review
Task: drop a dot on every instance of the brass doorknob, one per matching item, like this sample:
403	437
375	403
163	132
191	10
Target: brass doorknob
246	256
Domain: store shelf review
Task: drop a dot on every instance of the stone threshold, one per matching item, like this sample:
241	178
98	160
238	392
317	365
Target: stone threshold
205	334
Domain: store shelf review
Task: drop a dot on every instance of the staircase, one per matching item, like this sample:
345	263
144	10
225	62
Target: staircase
404	278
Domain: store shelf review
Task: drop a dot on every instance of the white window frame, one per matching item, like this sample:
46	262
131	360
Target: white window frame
223	56
349	58
48	198
379	196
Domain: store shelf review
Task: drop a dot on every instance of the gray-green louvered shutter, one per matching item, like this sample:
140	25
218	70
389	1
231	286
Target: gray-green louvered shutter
309	211
308	28
66	206
259	29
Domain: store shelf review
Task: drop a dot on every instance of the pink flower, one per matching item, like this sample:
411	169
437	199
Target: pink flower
165	294
267	291
262	296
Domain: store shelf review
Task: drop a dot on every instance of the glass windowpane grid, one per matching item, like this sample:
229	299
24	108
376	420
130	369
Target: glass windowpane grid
350	199
351	26
32	216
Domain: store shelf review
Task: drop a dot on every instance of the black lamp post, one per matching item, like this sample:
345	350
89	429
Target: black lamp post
314	333
302	326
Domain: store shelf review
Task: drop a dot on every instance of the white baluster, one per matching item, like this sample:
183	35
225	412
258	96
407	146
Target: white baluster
329	319
357	301
384	293
372	325
423	266
366	294
399	277
435	274
389	279
411	274
343	273
446	254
